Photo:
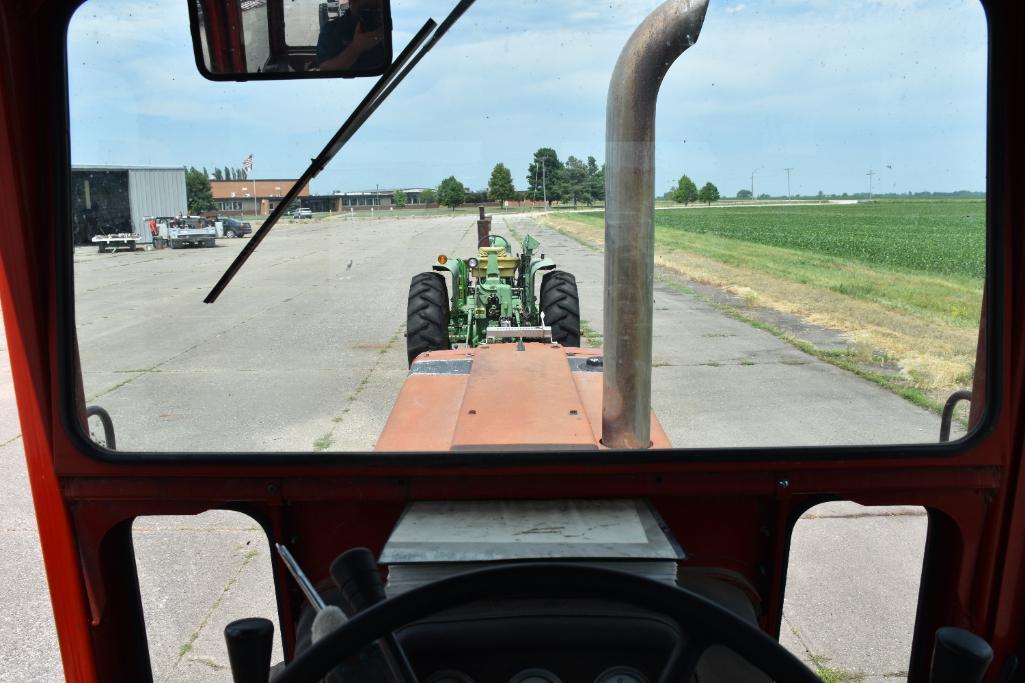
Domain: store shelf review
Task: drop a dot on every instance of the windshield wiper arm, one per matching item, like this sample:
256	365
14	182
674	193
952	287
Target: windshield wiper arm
385	85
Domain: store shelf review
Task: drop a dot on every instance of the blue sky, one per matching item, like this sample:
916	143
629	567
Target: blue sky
831	89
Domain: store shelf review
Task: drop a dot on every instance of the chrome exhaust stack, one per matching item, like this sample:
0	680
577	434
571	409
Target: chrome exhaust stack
630	216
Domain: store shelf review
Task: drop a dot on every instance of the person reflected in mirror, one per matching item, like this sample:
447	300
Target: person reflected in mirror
354	41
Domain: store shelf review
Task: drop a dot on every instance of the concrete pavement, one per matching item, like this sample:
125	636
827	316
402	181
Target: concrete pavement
305	351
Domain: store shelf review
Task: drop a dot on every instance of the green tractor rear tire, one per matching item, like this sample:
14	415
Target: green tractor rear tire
427	315
561	307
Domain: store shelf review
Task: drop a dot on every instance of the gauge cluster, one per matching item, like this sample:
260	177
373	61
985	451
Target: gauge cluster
617	674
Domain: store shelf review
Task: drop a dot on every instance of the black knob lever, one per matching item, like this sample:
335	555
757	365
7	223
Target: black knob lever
356	574
358	578
249	649
959	656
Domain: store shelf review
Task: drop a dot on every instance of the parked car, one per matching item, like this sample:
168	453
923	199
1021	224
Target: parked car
235	228
302	213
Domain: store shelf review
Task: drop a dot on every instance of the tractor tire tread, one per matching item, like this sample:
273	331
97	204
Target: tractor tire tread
427	315
560	304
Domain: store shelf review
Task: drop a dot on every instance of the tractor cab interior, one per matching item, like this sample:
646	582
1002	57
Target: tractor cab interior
482	466
275	39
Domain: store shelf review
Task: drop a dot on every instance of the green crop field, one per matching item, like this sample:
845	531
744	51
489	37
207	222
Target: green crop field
903	277
936	237
919	256
946	238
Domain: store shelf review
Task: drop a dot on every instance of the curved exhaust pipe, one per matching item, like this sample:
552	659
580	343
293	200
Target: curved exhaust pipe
630	216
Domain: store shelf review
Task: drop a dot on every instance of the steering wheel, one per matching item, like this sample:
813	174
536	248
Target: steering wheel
703	622
492	241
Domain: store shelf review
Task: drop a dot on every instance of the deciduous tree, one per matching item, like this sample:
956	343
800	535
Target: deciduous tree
544	175
500	186
451	193
575	181
686	191
197	191
400	199
596	179
709	193
744	194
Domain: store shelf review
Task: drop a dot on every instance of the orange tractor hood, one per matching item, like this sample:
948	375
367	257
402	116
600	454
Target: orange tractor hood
502	397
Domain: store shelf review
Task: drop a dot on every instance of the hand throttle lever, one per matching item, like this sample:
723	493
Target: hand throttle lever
358	578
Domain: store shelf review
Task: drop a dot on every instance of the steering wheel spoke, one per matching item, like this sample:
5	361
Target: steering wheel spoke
683	662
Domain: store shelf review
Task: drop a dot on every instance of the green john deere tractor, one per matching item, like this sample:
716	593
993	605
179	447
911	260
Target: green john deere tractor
492	300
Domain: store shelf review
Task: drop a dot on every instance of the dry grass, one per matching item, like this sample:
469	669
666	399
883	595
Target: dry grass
933	354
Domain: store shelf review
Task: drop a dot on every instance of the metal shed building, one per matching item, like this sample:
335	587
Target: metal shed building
113	199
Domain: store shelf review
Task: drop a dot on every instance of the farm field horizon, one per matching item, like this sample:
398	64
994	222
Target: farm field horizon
902	279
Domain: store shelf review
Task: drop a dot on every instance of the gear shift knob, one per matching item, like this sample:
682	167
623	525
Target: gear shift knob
959	656
249	649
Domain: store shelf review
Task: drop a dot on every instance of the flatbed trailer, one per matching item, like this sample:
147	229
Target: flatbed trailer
122	241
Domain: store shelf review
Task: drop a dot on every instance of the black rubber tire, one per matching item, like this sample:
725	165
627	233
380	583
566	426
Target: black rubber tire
427	315
560	305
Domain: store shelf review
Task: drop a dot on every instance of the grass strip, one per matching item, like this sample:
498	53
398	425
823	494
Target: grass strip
847	360
593	337
933	346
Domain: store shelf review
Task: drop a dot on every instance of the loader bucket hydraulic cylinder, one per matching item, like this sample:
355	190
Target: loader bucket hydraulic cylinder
630	216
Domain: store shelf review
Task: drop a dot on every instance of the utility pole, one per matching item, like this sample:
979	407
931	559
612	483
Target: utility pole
870	174
788	170
753	183
544	182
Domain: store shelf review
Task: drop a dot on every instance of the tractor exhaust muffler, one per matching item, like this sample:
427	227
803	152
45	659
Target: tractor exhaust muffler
630	216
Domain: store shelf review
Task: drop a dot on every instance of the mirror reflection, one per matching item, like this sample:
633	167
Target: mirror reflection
292	38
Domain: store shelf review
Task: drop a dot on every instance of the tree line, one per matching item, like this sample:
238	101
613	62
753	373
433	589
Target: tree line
686	191
228	173
548	179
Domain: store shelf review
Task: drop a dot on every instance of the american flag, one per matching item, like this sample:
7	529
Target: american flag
247	163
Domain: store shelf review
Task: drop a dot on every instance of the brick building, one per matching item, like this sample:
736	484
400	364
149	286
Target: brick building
244	197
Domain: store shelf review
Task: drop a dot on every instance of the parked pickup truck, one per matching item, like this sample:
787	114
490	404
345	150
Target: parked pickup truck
191	231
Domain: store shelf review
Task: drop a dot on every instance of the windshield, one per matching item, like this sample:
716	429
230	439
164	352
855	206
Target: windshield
820	232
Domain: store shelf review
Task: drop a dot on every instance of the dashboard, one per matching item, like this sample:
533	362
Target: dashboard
561	640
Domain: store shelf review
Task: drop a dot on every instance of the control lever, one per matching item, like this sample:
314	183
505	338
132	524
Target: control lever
359	580
959	656
249	649
300	578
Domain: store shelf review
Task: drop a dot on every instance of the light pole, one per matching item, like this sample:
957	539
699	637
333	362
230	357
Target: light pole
870	174
788	170
544	182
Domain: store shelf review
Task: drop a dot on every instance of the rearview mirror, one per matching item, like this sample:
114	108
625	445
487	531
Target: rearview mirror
243	40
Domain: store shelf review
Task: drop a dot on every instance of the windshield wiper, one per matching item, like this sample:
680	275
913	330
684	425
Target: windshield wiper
400	68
